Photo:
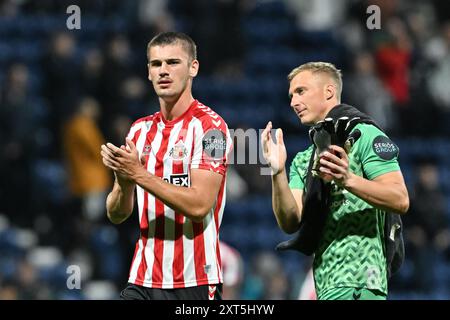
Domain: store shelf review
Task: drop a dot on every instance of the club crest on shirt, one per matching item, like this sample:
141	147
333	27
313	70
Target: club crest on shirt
147	150
178	151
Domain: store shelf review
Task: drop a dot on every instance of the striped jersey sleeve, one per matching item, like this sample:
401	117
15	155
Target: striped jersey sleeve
212	143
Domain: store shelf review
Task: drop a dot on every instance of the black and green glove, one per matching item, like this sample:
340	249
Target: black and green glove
328	132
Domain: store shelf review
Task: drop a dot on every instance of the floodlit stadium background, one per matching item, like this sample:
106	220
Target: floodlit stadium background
400	74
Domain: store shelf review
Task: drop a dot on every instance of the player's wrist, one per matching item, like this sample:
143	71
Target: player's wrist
350	182
277	172
138	176
124	183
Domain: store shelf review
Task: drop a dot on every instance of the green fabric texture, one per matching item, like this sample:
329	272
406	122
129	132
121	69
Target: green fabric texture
346	293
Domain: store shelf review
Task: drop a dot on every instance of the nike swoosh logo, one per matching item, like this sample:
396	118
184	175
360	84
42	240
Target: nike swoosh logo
356	296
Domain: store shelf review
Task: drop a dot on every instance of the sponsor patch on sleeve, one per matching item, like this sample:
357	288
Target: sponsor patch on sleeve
385	148
214	144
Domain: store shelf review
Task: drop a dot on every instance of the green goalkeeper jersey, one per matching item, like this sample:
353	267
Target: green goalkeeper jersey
351	251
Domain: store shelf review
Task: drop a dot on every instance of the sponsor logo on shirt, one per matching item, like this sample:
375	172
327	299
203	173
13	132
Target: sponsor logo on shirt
181	180
385	148
214	144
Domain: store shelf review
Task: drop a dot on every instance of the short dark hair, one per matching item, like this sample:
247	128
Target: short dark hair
167	38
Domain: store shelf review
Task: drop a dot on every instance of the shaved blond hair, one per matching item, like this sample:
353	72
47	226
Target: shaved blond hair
326	68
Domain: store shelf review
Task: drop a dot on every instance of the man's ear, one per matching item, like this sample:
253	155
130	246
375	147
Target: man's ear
330	91
193	68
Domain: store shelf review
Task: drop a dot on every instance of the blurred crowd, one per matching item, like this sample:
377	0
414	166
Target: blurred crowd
64	92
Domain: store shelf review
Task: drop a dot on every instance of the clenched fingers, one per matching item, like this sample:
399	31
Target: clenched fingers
118	152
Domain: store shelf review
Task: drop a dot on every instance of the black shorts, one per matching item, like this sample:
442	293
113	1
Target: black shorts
206	292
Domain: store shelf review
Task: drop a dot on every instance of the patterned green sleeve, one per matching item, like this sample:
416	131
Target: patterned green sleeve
295	180
377	153
298	170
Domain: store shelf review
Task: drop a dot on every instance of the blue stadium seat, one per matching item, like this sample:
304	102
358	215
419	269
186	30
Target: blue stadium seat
54	275
8	266
254	116
408	173
296	143
104	242
7	27
444	178
274	60
401	295
292	262
262	205
265	33
70	295
237	236
50	179
28	51
448	208
316	39
267	236
6	51
9	244
269	9
39	26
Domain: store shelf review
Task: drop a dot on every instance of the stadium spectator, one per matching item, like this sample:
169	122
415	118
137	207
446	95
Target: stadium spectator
61	89
233	271
17	125
428	229
365	89
89	180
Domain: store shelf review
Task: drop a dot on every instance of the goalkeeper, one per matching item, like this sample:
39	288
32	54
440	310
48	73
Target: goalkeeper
341	190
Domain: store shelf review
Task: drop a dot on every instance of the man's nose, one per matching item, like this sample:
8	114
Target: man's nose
163	69
294	102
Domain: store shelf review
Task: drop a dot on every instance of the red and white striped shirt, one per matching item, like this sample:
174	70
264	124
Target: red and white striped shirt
174	251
